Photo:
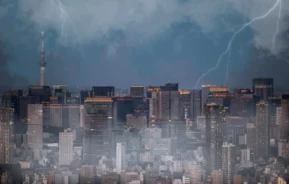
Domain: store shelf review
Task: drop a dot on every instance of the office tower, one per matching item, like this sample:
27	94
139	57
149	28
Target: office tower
204	94
83	95
170	87
97	125
11	100
251	138
108	91
278	116
120	157
87	174
215	135
285	117
66	139
196	104
262	130
283	148
59	89
185	103
214	94
138	122
124	106
6	135
237	179
23	106
140	107
42	92
220	96
35	126
151	89
61	92
165	105
263	88
137	91
217	176
55	115
196	173
242	103
228	159
236	130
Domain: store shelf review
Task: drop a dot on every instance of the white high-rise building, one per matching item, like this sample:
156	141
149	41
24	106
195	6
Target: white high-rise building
66	139
196	173
228	162
120	157
35	126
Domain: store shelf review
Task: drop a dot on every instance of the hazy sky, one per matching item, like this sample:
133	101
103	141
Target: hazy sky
128	42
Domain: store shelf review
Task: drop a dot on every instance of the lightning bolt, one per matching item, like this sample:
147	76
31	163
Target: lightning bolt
228	49
278	26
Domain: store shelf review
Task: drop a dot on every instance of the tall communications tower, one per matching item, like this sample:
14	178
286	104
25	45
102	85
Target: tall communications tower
42	62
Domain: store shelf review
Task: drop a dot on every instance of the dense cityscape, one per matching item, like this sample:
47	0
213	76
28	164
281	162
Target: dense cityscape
145	135
153	132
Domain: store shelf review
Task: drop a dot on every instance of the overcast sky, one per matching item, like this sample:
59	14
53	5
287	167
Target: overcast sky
128	42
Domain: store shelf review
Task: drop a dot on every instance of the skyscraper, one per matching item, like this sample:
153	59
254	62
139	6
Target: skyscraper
103	91
262	130
196	104
137	91
285	117
97	125
263	88
66	139
215	135
165	105
120	157
251	138
228	158
6	135
35	126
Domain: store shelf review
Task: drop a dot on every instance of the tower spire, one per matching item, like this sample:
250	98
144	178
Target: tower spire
42	61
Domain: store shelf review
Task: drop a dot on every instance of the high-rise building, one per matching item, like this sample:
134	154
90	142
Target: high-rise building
215	135
196	173
285	117
42	92
97	125
165	105
124	106
120	157
196	104
137	91
185	103
242	103
251	138
23	105
6	135
263	88
278	116
228	159
66	139
108	91
217	176
170	87
35	126
262	130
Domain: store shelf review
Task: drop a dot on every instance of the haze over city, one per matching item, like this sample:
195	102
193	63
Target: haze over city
144	92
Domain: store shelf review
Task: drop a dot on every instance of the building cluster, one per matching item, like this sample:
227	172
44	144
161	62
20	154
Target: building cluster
149	135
